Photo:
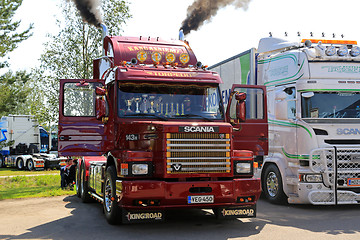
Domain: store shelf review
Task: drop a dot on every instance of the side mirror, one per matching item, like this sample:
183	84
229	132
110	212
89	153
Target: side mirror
100	106
240	106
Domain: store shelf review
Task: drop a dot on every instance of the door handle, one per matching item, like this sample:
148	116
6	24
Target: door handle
64	138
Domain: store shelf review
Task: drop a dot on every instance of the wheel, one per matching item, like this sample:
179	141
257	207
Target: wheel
111	208
84	186
273	186
78	181
30	165
2	164
20	164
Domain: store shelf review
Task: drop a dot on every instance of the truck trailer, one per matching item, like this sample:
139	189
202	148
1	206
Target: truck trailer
313	112
20	135
152	134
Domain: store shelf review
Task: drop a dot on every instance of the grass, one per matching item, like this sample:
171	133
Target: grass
6	171
30	186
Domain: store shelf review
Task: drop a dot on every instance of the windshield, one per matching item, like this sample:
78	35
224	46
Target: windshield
169	101
331	105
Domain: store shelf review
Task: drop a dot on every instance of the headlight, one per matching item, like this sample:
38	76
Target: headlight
140	169
243	168
342	51
314	178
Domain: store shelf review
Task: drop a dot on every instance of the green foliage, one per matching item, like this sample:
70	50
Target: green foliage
70	53
14	90
13	86
9	38
6	144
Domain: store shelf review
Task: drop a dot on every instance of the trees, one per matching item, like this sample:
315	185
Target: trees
9	38
69	54
13	86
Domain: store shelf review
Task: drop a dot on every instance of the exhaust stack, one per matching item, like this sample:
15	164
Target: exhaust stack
181	35
104	34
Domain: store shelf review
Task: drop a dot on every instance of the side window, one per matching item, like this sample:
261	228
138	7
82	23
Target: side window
79	99
254	103
291	100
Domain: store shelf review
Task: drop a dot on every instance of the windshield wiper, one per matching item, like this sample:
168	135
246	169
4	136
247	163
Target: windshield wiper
146	115
195	115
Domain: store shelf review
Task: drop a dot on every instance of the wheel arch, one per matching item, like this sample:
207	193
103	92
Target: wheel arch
279	163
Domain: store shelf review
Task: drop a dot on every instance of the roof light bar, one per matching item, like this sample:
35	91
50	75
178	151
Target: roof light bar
324	41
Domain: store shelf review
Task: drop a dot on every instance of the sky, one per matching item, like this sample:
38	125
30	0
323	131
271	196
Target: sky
231	31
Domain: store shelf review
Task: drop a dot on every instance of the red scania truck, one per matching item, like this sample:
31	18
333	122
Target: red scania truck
153	135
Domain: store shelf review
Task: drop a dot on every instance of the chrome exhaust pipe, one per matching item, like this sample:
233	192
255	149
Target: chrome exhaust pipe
104	34
181	35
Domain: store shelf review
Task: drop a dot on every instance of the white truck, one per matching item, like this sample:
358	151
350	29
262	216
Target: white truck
21	136
313	96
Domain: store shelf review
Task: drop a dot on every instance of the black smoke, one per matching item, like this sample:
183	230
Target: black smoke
203	10
89	10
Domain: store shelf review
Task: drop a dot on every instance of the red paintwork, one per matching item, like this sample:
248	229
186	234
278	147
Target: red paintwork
126	48
92	137
252	130
174	194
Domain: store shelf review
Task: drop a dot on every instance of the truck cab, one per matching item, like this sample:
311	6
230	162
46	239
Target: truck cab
152	134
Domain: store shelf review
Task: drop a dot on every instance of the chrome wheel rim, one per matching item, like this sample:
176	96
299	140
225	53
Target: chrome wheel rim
107	194
272	184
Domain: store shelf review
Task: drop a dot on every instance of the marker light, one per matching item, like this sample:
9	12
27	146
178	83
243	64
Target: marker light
330	50
170	57
342	51
156	57
184	58
141	56
355	51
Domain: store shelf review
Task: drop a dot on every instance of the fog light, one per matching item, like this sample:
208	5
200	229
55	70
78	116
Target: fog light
314	178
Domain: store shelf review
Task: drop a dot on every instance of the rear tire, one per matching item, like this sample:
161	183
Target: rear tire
111	208
20	164
84	187
273	185
30	165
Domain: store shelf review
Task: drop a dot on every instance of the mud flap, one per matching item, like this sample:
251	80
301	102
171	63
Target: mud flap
142	216
235	212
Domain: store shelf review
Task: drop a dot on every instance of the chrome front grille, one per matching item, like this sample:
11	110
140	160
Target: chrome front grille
198	153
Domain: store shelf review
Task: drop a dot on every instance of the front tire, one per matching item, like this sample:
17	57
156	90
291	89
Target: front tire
111	208
273	185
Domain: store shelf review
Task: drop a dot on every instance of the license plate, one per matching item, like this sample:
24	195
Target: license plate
353	182
201	199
